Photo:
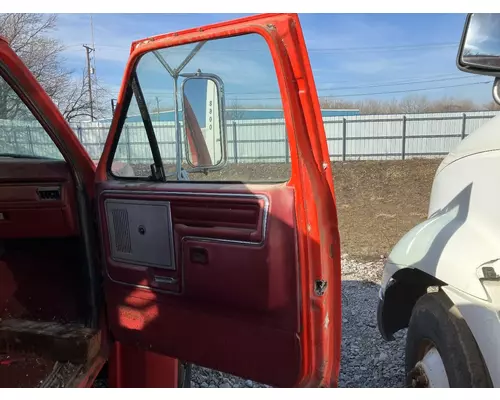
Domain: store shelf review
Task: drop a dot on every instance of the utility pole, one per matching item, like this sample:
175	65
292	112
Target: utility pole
89	72
93	42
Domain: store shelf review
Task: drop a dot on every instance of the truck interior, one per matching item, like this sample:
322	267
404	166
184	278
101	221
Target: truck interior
46	330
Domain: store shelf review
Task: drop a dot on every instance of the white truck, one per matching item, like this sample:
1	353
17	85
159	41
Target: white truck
442	280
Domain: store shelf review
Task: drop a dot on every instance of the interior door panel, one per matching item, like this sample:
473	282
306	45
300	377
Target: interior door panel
241	278
36	199
232	291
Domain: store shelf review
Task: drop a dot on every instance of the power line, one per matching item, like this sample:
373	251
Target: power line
402	83
398	82
409	78
388	83
383	48
318	50
236	95
378	93
412	90
364	94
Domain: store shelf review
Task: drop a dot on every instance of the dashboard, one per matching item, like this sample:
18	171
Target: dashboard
37	199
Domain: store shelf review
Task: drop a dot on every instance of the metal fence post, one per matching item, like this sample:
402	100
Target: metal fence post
129	150
16	144
464	120
235	143
403	144
79	133
30	141
344	139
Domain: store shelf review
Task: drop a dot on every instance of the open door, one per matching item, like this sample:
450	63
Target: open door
218	269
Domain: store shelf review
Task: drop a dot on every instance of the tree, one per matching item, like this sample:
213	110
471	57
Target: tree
491	106
29	36
74	102
234	111
409	105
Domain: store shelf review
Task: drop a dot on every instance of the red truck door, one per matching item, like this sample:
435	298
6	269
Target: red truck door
236	276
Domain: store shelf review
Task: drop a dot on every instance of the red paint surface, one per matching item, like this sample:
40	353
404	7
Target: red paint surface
131	367
311	353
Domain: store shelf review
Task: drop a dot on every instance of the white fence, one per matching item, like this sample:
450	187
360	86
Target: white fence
258	141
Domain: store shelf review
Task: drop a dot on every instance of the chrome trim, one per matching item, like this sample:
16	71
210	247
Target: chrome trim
199	238
178	134
137	286
222	122
165	280
219	240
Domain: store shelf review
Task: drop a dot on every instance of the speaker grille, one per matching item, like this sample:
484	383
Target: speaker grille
140	232
122	230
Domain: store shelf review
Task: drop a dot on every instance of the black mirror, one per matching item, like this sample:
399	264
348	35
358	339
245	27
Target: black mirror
479	51
204	124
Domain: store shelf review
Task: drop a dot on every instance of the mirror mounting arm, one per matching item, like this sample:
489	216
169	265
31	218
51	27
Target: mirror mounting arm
174	73
496	90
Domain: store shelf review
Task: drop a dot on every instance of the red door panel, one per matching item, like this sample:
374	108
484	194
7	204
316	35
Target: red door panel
243	346
231	287
241	278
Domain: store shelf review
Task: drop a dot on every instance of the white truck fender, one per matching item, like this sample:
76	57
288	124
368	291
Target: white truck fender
432	254
432	248
461	233
483	319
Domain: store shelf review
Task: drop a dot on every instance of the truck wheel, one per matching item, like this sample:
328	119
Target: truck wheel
440	348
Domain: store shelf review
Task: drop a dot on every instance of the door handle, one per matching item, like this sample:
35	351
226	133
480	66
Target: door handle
165	280
198	255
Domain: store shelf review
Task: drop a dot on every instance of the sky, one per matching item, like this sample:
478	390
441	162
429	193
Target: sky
483	36
353	56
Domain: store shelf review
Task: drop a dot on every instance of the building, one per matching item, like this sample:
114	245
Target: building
244	114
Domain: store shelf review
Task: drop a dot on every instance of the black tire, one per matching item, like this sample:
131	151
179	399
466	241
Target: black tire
436	321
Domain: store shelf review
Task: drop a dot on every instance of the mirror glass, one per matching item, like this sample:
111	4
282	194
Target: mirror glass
202	121
481	47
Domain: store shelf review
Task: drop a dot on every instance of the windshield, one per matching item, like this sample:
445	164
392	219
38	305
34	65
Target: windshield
21	135
242	69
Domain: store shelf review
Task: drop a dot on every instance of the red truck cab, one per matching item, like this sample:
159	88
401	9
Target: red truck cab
141	270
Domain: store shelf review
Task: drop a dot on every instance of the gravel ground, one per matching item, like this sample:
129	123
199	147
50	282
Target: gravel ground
367	360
